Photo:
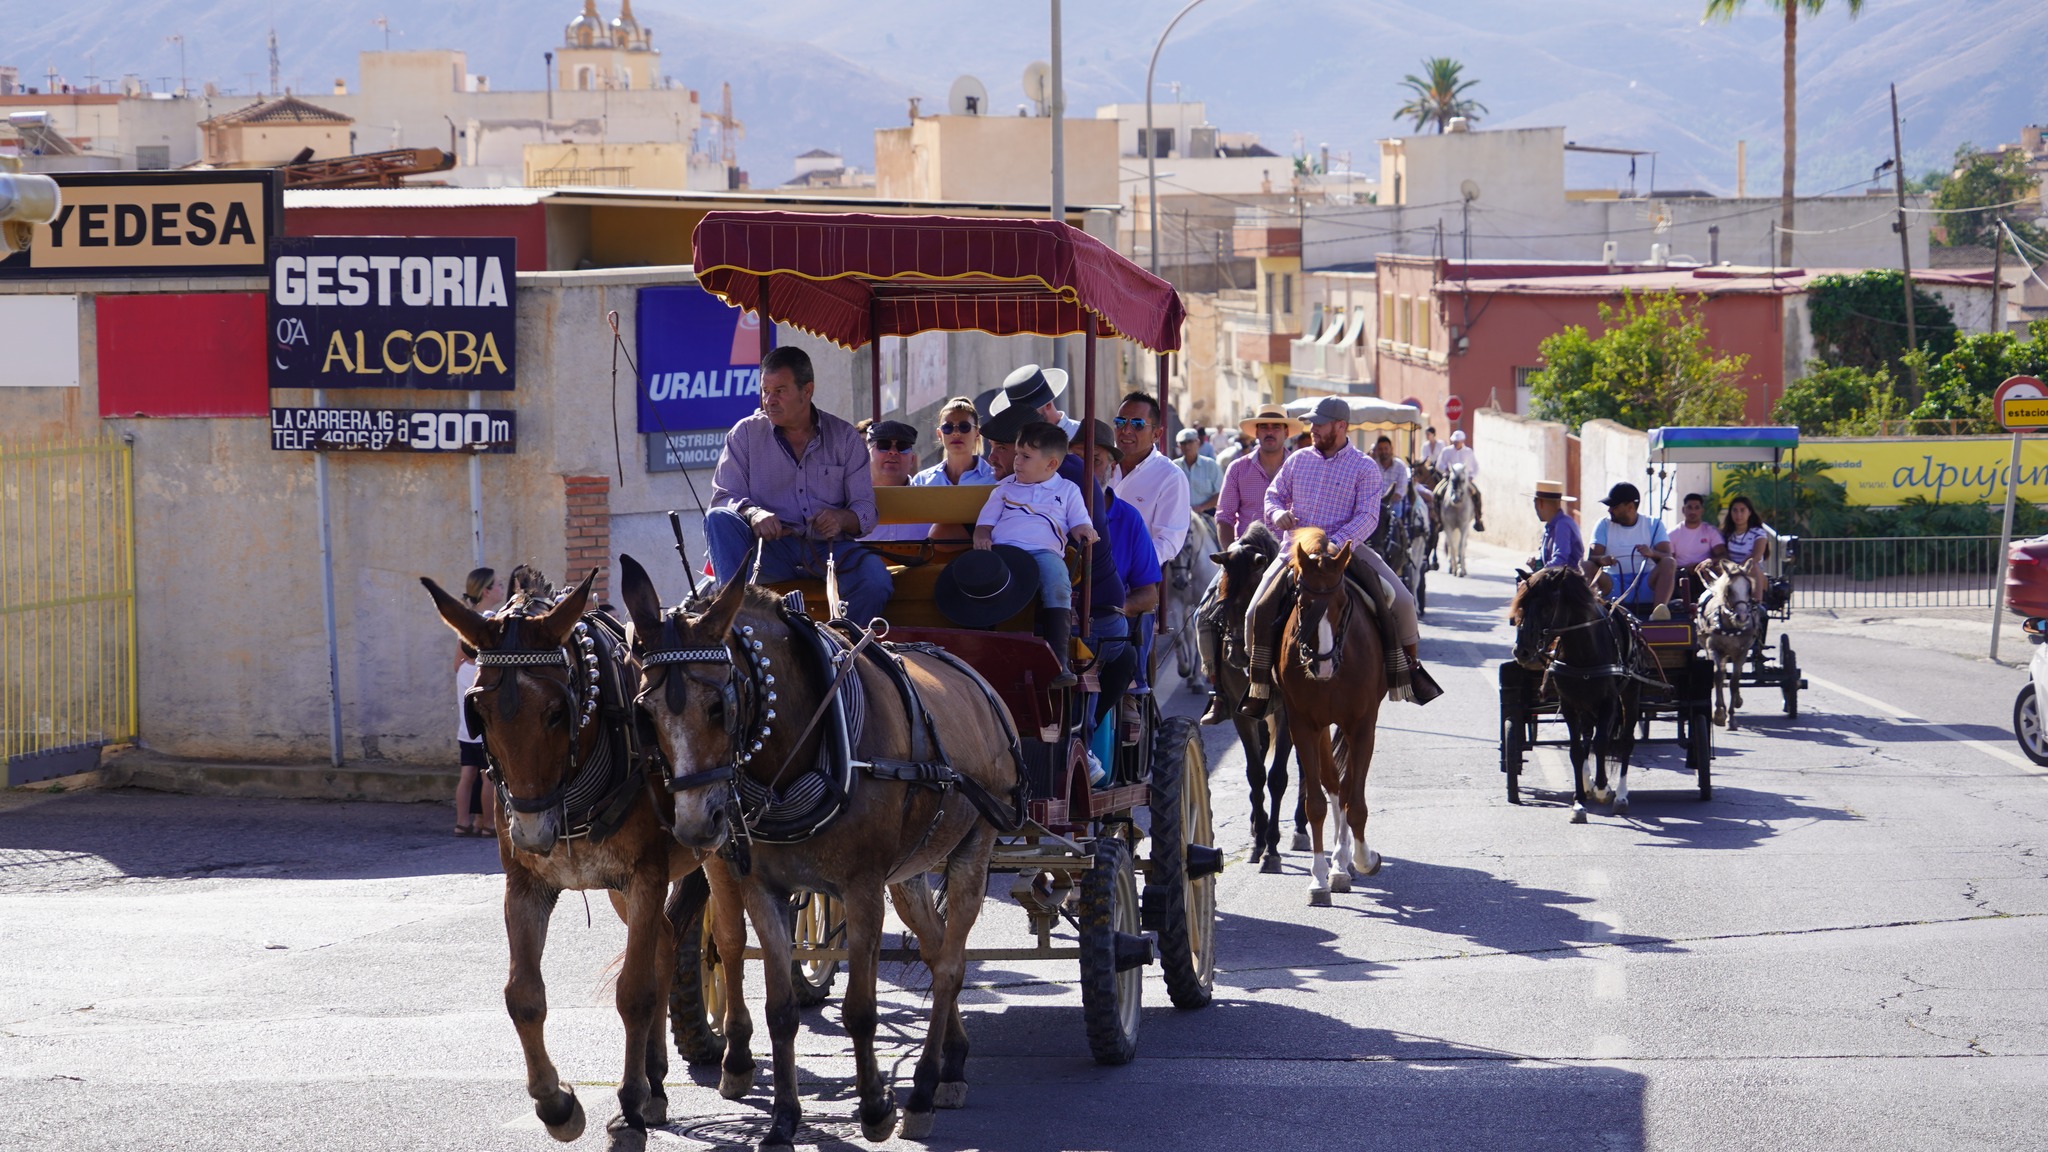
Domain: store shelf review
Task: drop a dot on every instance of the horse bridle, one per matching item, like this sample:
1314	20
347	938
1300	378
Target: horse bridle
583	701
746	689
1306	648
1548	637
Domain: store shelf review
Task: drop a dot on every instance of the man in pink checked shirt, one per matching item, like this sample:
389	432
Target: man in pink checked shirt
1332	486
1241	505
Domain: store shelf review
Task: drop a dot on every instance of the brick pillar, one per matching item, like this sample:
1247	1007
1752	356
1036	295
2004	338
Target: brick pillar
588	525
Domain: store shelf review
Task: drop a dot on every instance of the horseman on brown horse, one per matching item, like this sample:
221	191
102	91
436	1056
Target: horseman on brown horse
1334	490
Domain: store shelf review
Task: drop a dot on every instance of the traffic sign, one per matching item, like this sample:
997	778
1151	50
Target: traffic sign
2021	403
1453	408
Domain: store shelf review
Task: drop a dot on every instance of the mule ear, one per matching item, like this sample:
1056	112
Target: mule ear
1344	555
1218	557
468	623
554	626
725	610
643	603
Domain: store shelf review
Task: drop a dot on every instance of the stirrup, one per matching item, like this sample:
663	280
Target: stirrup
1423	684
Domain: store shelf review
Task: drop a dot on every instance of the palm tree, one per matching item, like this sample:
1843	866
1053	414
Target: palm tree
1439	95
1726	9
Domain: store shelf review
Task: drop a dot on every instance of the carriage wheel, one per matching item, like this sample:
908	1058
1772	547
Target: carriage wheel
1511	756
1699	752
696	997
820	922
1788	668
1113	954
1182	885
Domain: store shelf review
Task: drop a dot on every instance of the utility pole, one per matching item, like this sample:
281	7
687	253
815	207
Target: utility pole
1905	239
1151	144
1997	276
549	58
1059	117
178	38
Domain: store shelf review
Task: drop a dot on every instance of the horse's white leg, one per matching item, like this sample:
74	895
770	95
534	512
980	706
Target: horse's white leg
1578	785
1340	879
1621	791
1720	674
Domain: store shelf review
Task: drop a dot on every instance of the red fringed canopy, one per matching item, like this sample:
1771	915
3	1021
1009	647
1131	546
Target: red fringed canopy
850	277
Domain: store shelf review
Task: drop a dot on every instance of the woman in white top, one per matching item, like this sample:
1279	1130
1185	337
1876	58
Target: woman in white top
1746	540
480	592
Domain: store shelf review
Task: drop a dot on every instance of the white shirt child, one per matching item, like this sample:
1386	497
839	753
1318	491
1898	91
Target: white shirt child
1034	517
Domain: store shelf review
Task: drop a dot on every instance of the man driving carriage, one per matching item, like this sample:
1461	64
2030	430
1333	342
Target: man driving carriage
1638	548
1332	486
796	479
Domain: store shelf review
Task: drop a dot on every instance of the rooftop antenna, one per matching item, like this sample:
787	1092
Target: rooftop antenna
178	38
384	22
968	97
276	78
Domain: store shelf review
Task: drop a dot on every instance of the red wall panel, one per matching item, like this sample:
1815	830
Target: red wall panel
526	223
199	354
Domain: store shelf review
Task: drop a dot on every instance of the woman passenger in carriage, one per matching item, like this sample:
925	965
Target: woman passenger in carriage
959	435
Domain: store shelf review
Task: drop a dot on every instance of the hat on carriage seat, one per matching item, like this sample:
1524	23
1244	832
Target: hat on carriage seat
1553	490
983	587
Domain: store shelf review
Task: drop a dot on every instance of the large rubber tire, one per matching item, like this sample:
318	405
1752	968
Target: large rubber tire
1788	669
2026	725
1514	723
1111	1001
696	997
820	922
1180	817
1699	752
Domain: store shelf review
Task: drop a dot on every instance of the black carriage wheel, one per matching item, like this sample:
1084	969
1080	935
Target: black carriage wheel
696	997
1699	752
1788	671
1511	757
1111	1001
1186	908
1515	721
818	922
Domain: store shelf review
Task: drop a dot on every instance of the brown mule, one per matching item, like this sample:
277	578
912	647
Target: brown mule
732	695
538	701
1331	671
1266	737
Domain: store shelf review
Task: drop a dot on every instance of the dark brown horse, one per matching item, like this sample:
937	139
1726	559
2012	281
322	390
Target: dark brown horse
553	701
1242	563
1584	652
1332	673
733	697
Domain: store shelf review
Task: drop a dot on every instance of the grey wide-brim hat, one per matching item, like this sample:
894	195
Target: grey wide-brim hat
1030	388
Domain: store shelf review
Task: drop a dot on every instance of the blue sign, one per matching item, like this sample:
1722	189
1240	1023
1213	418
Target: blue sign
700	361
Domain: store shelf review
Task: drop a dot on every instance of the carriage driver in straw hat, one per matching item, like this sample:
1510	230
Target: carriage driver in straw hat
1335	487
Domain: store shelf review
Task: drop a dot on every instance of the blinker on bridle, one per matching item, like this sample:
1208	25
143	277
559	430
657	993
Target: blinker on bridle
736	728
585	655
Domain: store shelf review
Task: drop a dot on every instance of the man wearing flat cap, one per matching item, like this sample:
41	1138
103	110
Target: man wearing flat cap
892	454
1037	392
1333	486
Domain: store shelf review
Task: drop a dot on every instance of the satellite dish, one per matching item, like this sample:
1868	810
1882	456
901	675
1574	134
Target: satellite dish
1470	190
1038	85
967	98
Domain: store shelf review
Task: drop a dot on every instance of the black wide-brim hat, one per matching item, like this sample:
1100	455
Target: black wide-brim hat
981	588
1030	388
1001	424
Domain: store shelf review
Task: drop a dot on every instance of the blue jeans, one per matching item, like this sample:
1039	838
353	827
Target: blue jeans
1053	589
864	583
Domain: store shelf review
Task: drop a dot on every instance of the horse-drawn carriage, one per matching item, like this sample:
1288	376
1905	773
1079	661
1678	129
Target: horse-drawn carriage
1766	664
854	280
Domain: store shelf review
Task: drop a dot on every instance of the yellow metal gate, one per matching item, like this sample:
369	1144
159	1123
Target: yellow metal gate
67	605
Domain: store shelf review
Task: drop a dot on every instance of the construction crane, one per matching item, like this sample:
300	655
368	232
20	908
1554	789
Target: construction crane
730	131
365	170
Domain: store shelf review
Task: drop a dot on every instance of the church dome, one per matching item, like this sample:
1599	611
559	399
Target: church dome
586	30
626	31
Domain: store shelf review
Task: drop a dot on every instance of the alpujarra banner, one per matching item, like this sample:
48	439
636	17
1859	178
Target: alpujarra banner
1941	470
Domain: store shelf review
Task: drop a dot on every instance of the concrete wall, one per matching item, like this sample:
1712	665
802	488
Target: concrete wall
1514	453
995	160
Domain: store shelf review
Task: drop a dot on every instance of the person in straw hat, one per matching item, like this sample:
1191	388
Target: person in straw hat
1562	546
1241	504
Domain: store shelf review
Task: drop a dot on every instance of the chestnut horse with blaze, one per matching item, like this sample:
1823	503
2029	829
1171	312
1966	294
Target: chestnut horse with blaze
1331	672
576	817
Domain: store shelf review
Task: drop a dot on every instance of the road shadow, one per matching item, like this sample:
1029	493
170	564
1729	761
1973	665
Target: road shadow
1492	912
100	837
1668	810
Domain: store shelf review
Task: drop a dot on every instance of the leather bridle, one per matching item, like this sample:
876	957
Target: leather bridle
579	652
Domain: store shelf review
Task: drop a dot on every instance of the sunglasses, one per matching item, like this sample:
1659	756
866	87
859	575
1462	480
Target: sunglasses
948	428
894	445
1131	421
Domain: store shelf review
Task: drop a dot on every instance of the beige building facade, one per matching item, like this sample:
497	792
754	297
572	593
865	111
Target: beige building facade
995	160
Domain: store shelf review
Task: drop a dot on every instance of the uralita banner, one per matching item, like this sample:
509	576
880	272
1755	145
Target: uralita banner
700	361
1941	470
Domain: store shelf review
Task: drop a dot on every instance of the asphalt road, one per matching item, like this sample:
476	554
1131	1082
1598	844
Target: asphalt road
1841	950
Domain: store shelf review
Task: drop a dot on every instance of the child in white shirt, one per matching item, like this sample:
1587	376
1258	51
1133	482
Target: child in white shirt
1037	510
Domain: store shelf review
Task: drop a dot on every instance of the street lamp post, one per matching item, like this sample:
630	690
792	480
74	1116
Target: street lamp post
1151	143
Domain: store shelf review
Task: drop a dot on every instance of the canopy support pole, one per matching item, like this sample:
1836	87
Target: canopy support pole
761	312
875	360
1089	487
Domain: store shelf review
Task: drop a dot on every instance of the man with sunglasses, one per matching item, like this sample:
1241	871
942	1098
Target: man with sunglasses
892	451
1147	480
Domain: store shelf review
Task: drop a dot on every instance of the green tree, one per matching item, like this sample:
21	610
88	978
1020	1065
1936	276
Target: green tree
1650	366
1859	320
1960	383
1983	188
1726	10
1832	401
1439	95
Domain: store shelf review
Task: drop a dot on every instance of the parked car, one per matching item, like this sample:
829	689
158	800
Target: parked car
2026	710
2026	577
